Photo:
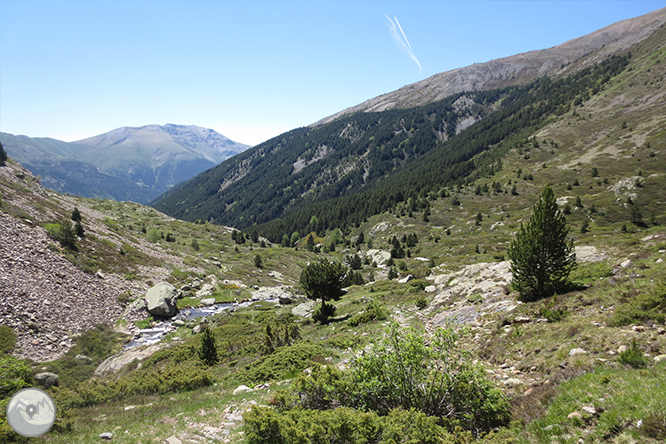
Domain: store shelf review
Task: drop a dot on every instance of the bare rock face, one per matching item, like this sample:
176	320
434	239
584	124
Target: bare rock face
161	300
116	362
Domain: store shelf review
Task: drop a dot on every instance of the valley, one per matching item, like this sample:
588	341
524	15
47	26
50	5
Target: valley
421	212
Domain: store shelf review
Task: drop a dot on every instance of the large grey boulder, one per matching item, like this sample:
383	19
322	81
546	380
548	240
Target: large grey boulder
161	300
46	379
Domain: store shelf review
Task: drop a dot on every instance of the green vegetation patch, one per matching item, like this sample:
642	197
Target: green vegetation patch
610	402
283	363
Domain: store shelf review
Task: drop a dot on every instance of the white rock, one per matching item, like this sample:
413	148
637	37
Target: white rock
577	351
208	301
173	440
589	409
430	289
242	389
660	358
206	290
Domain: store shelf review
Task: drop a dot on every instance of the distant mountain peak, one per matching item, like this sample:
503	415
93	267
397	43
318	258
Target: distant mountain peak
154	157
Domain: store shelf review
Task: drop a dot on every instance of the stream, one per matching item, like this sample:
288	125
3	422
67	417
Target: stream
149	336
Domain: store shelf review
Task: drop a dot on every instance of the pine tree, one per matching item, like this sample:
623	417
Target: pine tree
323	280
208	350
3	155
76	215
542	256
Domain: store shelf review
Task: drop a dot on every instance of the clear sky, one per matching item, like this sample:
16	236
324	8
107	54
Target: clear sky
252	69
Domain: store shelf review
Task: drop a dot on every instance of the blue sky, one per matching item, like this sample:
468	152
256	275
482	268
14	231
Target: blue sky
252	69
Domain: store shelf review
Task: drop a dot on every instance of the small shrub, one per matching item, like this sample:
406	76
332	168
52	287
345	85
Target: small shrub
258	262
195	245
153	235
284	362
374	312
63	233
7	339
633	356
16	375
329	311
421	302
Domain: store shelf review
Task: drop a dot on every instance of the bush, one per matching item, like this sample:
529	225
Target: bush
633	356
16	375
98	343
7	339
374	312
406	371
329	311
153	235
144	381
62	233
342	425
282	363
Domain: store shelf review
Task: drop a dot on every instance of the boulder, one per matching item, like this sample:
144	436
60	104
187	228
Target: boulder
161	300
106	435
242	389
83	359
46	379
208	302
660	358
577	351
173	440
285	300
406	279
206	290
304	310
116	362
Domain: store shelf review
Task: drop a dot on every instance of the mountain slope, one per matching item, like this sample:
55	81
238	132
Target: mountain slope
125	164
364	163
518	69
309	165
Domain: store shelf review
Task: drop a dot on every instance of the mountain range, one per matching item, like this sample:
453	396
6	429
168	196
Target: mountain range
136	164
429	138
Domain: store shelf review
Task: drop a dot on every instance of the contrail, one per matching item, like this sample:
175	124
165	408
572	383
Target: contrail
403	32
401	39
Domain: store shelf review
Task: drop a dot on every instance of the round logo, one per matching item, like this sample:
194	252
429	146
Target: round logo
31	412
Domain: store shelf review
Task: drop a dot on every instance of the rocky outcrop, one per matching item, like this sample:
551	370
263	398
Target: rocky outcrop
161	300
120	360
46	379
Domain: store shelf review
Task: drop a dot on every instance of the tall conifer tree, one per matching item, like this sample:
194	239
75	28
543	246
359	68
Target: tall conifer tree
542	256
3	155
